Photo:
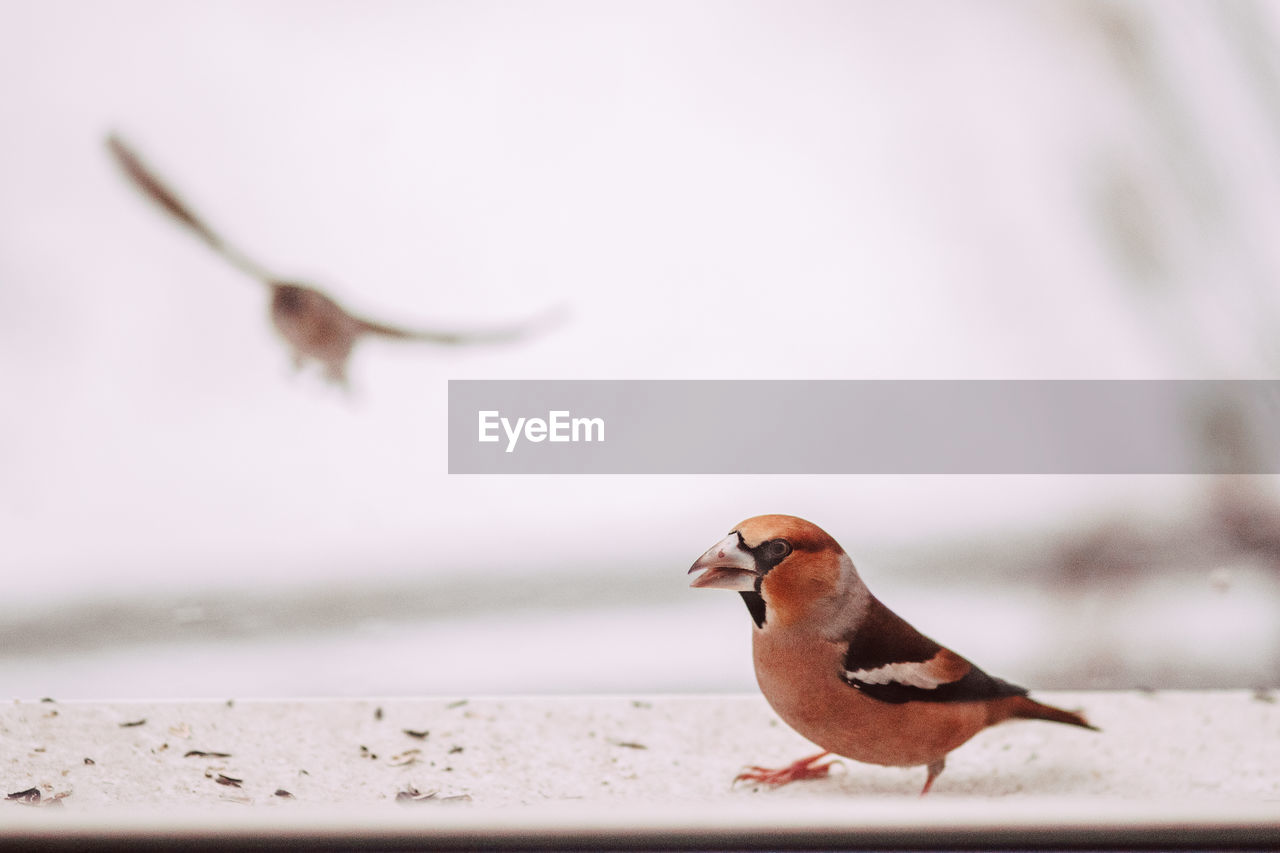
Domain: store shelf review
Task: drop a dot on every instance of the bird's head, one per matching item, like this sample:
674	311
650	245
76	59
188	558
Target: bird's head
290	299
787	569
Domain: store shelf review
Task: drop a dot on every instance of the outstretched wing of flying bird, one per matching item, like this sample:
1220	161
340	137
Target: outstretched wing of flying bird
149	183
313	324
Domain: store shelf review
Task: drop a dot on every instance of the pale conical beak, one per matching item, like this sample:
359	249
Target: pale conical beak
726	565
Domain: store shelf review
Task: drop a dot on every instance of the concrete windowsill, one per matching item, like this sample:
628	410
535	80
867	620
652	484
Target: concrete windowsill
517	764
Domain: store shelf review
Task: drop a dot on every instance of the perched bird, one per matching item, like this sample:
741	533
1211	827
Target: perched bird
311	323
842	669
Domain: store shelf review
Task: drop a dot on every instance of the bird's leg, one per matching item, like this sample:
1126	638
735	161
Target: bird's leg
805	768
934	769
336	372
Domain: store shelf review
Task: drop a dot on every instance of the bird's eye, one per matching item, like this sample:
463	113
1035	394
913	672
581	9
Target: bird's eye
776	549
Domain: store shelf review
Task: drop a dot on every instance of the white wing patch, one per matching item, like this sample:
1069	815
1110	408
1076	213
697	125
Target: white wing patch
909	674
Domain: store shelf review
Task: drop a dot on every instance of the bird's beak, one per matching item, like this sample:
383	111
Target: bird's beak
727	565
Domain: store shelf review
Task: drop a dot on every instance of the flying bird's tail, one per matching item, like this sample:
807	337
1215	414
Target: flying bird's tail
1026	708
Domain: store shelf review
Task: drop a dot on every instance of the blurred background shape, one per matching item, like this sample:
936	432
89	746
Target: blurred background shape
313	325
758	190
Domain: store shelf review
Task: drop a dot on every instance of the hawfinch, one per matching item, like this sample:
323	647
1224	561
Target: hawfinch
313	324
842	669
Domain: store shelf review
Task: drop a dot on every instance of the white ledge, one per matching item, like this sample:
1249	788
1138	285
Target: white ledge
658	761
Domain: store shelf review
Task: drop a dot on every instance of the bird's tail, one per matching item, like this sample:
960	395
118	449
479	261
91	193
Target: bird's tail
1025	708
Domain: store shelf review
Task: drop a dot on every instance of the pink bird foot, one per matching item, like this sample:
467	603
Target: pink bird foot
805	768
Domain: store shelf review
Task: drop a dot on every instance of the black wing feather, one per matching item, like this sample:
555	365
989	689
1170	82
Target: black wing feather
975	686
885	638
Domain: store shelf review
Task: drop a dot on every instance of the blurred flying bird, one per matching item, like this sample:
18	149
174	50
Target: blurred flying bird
313	324
842	669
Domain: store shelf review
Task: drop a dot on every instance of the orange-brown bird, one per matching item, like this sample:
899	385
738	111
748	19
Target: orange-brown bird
311	323
842	669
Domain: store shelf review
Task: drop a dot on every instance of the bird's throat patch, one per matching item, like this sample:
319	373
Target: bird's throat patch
755	605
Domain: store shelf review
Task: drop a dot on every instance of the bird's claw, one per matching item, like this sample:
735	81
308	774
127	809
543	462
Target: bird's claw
805	768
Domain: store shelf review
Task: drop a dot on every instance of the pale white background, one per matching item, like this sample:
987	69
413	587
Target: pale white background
711	190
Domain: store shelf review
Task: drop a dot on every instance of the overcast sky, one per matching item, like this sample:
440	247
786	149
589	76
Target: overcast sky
711	190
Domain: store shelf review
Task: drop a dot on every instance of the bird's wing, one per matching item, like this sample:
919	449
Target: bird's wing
155	189
456	338
891	661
